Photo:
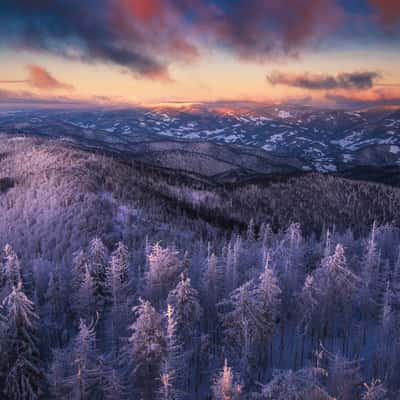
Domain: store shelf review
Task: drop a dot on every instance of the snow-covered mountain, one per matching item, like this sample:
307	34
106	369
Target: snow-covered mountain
301	137
104	246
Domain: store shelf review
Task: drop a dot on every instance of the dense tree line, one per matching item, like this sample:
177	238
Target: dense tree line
120	281
78	195
259	315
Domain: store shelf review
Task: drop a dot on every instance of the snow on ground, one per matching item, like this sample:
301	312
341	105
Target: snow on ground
394	149
213	132
347	157
192	135
284	114
230	138
268	147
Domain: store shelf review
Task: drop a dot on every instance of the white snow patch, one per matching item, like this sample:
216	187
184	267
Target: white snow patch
213	132
284	114
347	157
394	149
268	147
231	138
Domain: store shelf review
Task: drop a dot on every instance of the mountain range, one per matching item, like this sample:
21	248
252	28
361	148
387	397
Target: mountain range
227	144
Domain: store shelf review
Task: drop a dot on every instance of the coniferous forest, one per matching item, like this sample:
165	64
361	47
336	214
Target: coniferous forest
119	280
199	200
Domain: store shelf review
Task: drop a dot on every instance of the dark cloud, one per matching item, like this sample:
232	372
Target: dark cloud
345	81
90	30
145	36
388	11
259	29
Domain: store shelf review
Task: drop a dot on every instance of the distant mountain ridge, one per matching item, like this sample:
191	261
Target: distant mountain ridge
255	141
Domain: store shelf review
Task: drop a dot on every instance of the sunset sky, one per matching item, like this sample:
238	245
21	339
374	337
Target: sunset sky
126	52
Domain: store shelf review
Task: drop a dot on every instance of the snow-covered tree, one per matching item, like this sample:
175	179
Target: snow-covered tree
98	260
167	391
289	259
57	373
112	385
84	378
23	376
344	377
117	275
80	265
187	315
267	297
374	391
12	267
327	244
187	309
117	287
309	298
145	349
226	385
3	344
56	304
369	275
303	384
239	313
211	282
229	271
268	293
251	231
172	365
265	235
85	301
328	294
164	270
248	318
336	277
120	262
252	307
237	250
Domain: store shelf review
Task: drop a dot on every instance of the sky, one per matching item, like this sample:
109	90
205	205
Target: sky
141	52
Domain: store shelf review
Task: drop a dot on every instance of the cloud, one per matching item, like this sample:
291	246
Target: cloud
41	79
97	31
377	97
388	11
25	99
259	29
345	81
146	36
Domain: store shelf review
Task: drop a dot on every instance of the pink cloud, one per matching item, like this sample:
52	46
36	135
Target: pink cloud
41	79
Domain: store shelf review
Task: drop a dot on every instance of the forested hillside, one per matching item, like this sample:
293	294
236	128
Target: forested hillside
119	280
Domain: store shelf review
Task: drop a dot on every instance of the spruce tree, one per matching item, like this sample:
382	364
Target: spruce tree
145	350
24	377
226	386
98	260
12	267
